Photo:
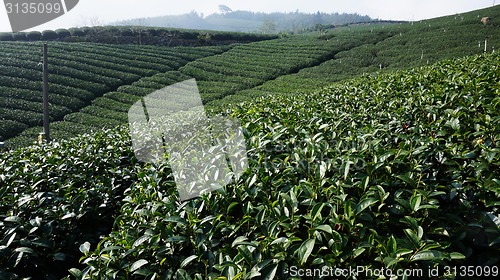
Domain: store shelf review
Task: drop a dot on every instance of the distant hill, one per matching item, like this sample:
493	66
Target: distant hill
245	21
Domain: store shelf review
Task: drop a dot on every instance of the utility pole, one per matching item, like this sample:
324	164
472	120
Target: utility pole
46	93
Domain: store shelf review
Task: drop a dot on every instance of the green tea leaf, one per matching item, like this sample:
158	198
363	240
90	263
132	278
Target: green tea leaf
85	248
316	211
413	237
347	166
430	255
325	228
457	256
405	178
269	272
305	250
187	260
76	273
138	264
415	202
365	203
392	245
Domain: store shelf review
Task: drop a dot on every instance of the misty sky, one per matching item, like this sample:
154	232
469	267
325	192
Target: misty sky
91	12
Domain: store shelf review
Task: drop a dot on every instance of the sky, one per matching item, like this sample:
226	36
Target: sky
98	12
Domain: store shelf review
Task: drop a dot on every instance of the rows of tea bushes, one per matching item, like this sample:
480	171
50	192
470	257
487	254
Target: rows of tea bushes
425	42
107	111
78	73
400	46
343	40
250	65
394	171
239	68
390	171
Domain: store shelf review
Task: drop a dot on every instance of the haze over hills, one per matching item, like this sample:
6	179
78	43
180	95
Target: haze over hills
246	21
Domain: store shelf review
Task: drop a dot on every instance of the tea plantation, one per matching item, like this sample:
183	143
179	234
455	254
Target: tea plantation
395	168
387	171
84	77
79	73
238	68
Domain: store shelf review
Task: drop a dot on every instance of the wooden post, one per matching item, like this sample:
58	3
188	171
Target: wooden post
485	45
46	93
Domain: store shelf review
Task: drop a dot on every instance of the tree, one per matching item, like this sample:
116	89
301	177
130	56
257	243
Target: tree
317	19
224	9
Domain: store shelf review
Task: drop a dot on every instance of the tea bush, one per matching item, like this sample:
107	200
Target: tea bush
384	172
56	197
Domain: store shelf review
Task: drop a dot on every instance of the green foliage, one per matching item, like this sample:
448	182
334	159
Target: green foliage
34	35
9	128
63	33
288	65
56	111
76	32
112	104
27	117
57	197
384	46
105	113
48	35
78	74
6	36
250	65
19	36
92	120
394	170
387	171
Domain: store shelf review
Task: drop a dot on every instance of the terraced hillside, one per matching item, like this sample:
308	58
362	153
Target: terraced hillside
288	65
409	45
242	67
79	73
388	171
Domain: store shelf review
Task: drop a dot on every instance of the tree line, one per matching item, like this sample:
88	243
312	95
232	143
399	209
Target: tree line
246	21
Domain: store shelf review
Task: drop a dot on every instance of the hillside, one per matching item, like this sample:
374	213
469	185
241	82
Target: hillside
79	73
388	171
237	68
251	70
373	146
400	46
